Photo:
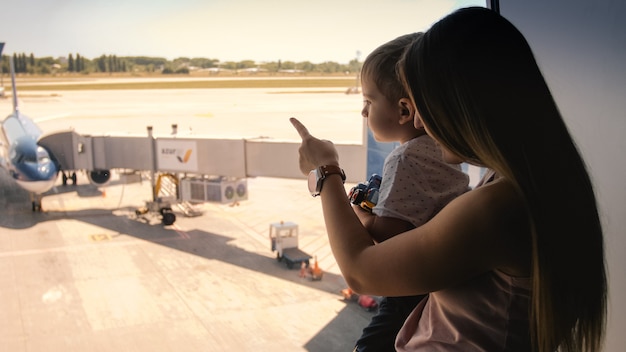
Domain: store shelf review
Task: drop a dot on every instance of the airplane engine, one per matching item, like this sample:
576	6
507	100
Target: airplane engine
99	177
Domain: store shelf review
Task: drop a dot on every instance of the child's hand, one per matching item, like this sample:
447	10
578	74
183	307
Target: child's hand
314	152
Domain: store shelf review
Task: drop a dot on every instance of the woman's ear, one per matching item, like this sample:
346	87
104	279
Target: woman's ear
414	117
417	121
407	111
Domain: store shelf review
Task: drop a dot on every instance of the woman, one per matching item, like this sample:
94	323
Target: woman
516	264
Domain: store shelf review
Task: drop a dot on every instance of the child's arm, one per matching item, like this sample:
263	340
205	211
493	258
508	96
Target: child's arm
381	228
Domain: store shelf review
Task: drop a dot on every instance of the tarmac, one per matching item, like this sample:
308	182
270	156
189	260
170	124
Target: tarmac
88	274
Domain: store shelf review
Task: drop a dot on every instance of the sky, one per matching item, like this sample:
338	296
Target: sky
226	30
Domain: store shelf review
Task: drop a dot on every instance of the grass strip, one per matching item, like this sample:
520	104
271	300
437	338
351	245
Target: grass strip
238	83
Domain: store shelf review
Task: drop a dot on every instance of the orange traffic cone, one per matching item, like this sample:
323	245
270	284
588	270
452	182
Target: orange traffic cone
303	269
316	272
348	294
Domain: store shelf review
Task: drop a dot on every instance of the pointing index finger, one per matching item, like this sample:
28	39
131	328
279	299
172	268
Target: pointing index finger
302	131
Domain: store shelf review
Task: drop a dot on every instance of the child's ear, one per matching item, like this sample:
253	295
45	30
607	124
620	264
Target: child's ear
406	106
407	111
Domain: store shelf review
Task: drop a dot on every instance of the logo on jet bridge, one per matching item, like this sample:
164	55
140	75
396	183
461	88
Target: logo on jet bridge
181	154
184	157
177	155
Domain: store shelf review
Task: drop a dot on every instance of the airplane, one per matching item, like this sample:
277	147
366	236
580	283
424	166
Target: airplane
29	164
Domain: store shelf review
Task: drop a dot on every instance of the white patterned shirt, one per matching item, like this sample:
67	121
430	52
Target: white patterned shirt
417	183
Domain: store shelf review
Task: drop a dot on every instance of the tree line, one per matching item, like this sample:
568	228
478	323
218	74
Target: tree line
78	64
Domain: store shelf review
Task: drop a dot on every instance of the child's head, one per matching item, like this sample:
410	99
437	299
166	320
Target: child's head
387	105
379	67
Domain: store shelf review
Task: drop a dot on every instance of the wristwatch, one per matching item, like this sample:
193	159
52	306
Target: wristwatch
317	177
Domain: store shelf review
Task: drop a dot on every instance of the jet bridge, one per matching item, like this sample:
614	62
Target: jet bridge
199	160
189	155
203	169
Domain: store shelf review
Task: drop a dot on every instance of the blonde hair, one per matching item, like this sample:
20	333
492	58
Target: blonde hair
478	89
380	66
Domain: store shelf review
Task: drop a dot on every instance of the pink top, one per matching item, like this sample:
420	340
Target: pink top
487	313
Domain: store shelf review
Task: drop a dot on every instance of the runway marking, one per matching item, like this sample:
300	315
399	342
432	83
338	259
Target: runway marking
100	237
52	117
54	294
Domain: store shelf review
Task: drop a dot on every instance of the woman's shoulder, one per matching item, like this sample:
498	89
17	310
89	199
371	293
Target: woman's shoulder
496	196
482	230
499	211
498	204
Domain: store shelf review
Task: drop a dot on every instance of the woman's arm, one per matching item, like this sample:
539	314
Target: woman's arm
478	231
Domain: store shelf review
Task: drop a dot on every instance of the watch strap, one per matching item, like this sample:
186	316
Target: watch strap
318	175
327	170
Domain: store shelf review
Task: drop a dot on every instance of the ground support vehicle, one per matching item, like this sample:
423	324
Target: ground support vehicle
284	241
162	207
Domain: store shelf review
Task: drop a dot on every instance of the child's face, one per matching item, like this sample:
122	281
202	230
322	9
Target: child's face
382	115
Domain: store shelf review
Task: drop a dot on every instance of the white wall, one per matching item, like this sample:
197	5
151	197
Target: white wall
581	48
280	159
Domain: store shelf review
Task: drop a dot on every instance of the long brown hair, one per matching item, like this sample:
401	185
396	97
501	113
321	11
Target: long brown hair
478	89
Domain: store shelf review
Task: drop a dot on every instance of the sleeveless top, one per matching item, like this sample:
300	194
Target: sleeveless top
489	313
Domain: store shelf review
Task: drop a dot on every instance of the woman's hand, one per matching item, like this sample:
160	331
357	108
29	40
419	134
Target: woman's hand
314	152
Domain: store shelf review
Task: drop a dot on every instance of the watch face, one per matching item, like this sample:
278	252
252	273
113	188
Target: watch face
313	182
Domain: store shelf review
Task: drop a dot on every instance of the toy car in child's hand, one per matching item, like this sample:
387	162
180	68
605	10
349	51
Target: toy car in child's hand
365	194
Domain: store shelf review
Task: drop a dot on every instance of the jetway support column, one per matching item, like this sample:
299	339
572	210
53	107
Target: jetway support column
153	164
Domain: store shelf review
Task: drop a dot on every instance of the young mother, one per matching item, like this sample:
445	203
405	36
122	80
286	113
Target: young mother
517	264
